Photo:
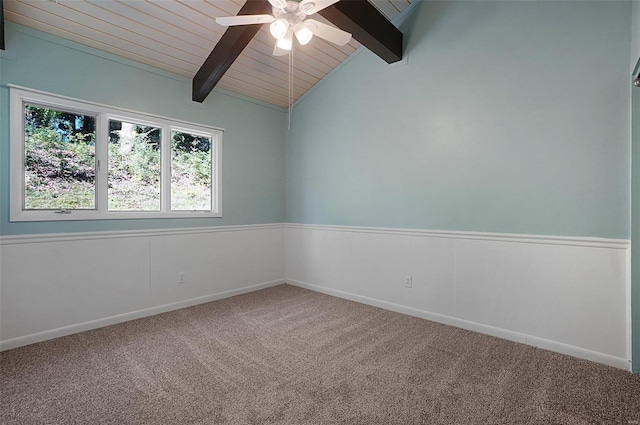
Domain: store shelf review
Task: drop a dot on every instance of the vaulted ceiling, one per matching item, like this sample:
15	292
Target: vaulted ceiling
178	35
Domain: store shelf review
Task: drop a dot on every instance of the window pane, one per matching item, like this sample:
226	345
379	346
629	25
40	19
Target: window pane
134	167
59	158
190	172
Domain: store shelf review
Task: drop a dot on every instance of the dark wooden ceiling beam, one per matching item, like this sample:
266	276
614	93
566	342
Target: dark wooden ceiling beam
232	43
367	25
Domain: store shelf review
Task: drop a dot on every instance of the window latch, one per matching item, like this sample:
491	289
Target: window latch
62	211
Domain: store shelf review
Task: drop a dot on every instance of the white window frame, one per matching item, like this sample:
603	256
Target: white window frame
19	96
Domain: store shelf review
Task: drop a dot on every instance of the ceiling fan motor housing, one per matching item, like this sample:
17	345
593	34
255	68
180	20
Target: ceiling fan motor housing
292	12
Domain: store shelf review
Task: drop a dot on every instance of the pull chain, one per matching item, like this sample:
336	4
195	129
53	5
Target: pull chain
290	86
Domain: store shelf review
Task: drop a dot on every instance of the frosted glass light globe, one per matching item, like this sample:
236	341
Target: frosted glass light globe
286	42
279	28
303	33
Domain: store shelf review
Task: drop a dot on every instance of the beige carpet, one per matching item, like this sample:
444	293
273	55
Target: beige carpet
286	355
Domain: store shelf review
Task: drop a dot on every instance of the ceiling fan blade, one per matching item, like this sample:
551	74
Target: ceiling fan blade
280	4
278	51
309	7
329	33
228	21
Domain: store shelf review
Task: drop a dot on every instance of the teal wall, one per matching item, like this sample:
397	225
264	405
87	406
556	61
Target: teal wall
635	237
253	149
635	195
508	117
635	32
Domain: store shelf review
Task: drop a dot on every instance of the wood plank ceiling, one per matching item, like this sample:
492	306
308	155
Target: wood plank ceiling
178	35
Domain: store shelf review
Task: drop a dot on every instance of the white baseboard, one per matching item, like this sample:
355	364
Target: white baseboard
107	321
472	326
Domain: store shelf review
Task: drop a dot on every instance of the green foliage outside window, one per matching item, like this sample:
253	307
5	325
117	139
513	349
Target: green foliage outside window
59	159
60	164
134	167
190	172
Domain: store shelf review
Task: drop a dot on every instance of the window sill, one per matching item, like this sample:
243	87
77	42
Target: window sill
94	215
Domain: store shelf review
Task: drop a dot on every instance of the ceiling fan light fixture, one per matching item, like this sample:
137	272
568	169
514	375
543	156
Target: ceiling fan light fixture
286	42
303	33
279	28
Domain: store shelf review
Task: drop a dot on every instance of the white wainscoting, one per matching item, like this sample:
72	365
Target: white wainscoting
569	295
55	285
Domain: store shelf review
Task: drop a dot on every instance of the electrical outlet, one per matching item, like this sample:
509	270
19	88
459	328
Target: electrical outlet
408	281
180	278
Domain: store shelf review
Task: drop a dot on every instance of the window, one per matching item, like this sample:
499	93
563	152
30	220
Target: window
59	159
134	166
190	171
74	160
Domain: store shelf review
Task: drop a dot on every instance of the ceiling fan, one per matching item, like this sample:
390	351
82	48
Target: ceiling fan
290	18
358	17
